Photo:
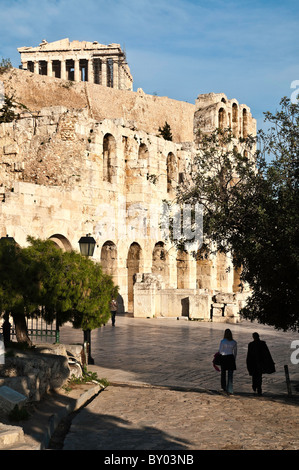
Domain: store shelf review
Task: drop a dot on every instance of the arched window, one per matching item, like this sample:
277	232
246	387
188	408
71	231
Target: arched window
61	241
222	271
160	262
142	152
204	271
171	172
109	259
182	262
235	120
109	156
133	266
143	160
245	123
221	118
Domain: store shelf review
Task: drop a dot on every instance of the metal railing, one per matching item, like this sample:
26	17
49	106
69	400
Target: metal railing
38	328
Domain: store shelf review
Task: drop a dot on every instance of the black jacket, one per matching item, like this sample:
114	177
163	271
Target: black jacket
259	359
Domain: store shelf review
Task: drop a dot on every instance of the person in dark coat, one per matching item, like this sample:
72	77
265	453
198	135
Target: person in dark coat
259	361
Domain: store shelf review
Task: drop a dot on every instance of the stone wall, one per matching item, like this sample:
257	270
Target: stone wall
215	110
35	374
148	112
87	159
194	304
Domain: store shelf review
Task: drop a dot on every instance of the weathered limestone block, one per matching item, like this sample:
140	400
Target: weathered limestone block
200	307
217	312
9	398
224	298
34	374
9	435
231	310
145	290
25	385
11	149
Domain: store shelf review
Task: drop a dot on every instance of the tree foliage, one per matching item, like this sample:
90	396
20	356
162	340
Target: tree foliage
165	131
250	200
60	286
7	112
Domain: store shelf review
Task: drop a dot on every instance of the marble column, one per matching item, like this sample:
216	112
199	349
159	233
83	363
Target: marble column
90	74
104	72
115	73
63	69
36	66
49	68
77	70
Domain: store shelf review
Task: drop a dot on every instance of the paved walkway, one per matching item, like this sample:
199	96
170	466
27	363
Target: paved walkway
164	392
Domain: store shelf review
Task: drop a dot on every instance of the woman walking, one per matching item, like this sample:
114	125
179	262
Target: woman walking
228	351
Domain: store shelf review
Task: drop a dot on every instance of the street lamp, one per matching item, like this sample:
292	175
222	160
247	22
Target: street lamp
87	245
6	325
8	239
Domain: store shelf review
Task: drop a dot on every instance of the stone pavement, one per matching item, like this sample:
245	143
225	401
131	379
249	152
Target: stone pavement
164	393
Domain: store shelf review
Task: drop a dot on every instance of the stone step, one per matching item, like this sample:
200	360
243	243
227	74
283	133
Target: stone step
20	445
10	435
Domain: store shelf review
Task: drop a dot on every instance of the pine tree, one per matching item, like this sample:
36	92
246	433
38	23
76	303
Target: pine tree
165	132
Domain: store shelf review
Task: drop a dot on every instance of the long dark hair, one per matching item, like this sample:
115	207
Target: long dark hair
228	335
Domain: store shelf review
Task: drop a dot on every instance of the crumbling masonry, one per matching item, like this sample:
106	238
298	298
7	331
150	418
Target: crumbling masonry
81	160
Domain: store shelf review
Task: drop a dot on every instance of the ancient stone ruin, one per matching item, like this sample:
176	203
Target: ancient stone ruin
79	61
81	159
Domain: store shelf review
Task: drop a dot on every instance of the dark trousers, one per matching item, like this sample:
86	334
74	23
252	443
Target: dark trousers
257	382
113	318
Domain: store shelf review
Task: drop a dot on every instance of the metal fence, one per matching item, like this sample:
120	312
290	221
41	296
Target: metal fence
38	328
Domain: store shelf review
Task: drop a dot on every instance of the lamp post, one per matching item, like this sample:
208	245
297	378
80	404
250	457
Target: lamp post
87	245
8	239
6	327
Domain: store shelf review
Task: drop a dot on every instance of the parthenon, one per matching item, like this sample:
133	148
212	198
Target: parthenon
79	61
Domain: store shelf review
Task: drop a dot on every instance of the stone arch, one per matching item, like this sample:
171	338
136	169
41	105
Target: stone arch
61	241
235	119
245	123
109	157
171	166
133	267
142	152
143	159
221	118
109	259
160	262
182	262
204	271
237	283
222	271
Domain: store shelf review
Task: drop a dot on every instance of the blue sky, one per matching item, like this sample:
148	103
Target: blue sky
176	48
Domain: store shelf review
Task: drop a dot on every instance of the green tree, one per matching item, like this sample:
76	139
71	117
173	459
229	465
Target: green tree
250	206
165	131
71	287
17	287
7	112
60	286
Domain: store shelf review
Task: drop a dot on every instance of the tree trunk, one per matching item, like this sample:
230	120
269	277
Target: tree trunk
21	328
